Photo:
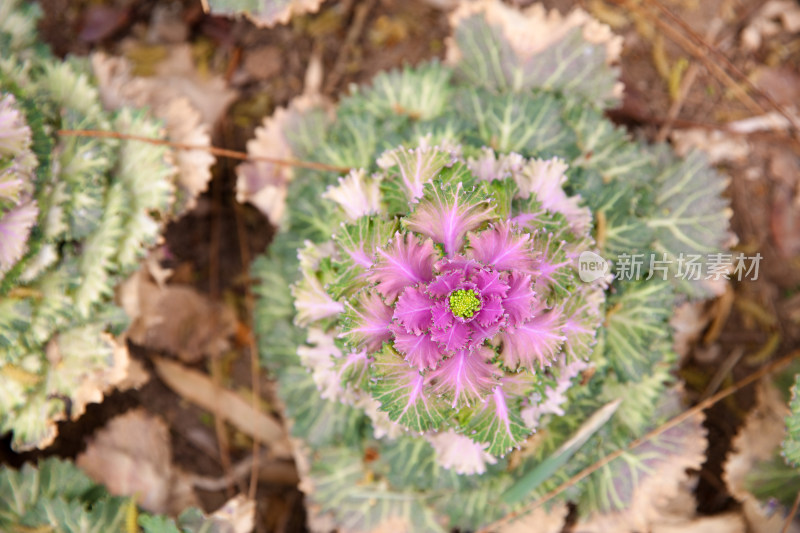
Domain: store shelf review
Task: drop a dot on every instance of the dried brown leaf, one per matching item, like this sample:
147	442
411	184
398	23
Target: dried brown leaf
239	512
688	323
132	456
265	184
199	389
175	319
719	146
773	18
723	523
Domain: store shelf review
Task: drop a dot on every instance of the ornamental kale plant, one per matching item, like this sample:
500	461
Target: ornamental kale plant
76	216
440	359
454	296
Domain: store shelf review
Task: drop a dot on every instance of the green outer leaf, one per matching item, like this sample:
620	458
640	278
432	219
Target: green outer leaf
690	214
636	326
612	487
420	93
157	524
571	65
401	392
411	462
523	123
476	506
770	481
606	148
626	231
530	481
319	422
486	426
362	506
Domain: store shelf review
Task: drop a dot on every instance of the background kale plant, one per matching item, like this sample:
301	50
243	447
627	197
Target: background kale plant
77	214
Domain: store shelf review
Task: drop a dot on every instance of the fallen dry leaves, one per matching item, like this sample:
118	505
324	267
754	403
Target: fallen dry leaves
199	389
132	456
175	318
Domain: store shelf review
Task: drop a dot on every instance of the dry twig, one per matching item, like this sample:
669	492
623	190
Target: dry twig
219	152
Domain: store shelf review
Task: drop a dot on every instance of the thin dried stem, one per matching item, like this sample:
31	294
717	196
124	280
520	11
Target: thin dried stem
699	54
723	371
274	471
219	152
353	34
673	422
255	371
722	58
792	513
214	292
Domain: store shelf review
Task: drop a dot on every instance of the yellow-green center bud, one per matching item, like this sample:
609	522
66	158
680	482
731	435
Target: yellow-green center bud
464	303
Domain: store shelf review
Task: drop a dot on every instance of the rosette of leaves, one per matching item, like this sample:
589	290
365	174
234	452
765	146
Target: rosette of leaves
76	215
452	286
57	496
440	361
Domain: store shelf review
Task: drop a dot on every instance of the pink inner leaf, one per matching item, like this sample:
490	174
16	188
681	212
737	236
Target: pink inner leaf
453	338
490	312
405	261
490	283
442	317
534	342
446	215
518	304
467	376
480	333
419	350
445	283
502	249
368	322
413	310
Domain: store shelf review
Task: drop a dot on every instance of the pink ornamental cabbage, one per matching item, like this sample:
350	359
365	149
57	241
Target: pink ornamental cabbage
454	294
